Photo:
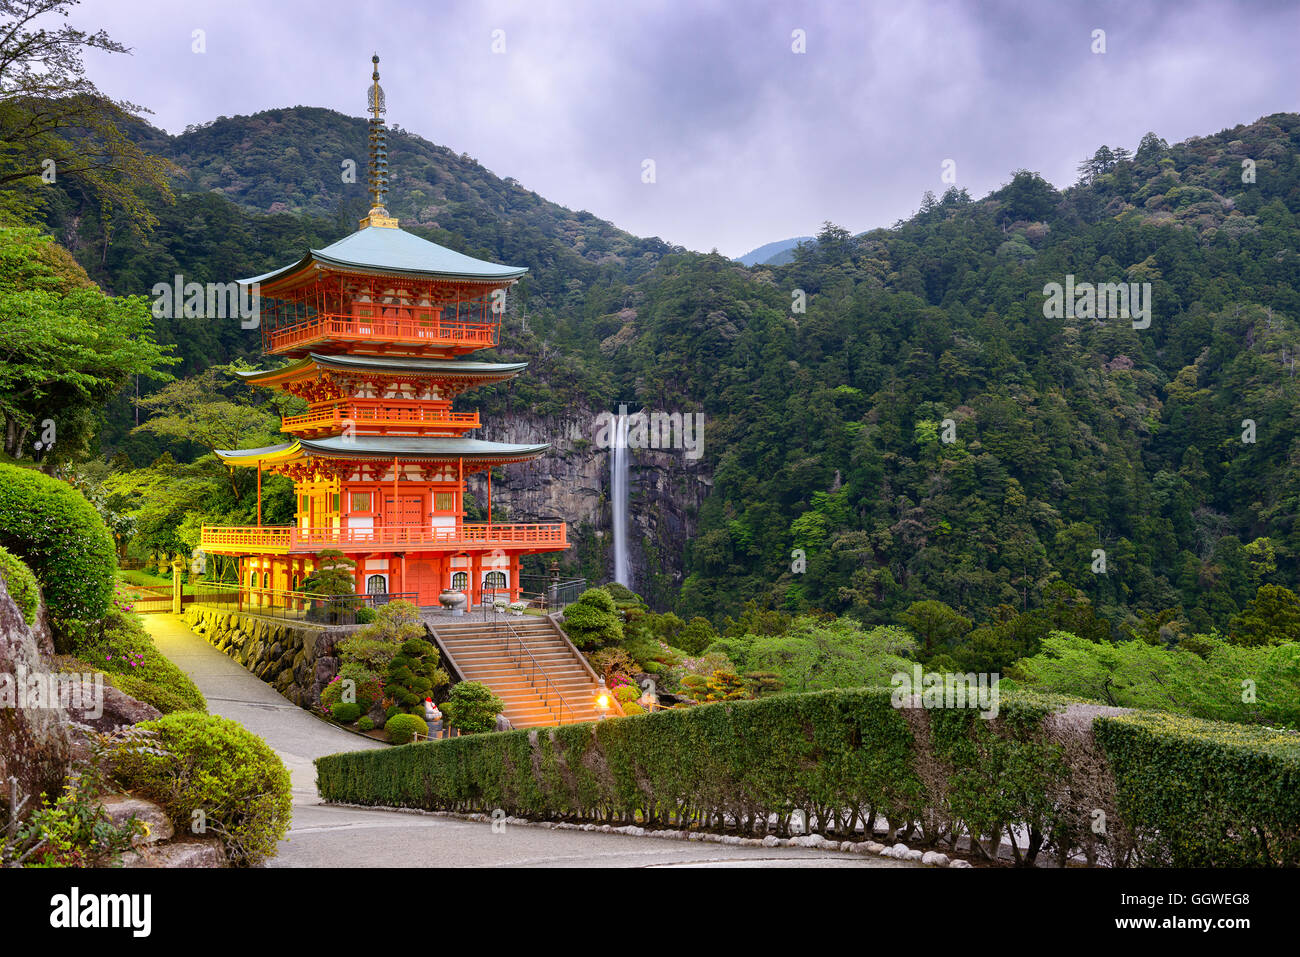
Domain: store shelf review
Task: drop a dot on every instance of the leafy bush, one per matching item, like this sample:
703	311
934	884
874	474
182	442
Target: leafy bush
626	693
377	644
1206	682
214	765
345	712
21	585
61	537
402	727
631	707
353	681
164	699
472	707
413	675
1182	792
608	662
592	621
364	723
366	615
118	645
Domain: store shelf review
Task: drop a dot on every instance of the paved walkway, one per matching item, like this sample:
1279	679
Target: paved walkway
324	835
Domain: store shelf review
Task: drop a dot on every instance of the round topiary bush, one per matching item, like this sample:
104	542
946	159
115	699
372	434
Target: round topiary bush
365	724
61	537
21	584
472	707
402	727
214	765
631	707
345	712
593	620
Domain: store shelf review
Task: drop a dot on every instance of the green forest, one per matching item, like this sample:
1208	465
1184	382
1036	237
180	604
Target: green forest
895	425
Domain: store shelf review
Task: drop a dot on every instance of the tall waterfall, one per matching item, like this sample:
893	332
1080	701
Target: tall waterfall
618	491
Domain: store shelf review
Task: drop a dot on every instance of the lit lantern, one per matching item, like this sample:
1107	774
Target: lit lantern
602	701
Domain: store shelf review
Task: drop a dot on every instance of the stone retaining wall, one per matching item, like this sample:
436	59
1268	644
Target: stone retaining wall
296	659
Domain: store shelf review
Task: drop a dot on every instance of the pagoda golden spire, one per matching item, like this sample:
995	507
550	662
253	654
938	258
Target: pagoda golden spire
378	215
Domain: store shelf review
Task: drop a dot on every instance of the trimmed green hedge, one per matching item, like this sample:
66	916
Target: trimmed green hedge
61	537
849	758
1204	793
21	585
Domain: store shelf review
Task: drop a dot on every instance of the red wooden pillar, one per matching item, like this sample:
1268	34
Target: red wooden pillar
259	493
476	579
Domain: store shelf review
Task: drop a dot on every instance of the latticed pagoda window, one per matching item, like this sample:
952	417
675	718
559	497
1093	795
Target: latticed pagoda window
460	580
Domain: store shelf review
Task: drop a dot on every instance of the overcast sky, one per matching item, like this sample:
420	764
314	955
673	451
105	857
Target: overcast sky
752	142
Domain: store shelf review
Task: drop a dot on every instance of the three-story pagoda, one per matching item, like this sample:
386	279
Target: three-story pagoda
376	326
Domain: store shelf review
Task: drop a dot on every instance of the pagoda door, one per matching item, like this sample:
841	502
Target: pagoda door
422	578
407	515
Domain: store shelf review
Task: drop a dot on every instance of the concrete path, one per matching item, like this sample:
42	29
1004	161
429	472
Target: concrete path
324	835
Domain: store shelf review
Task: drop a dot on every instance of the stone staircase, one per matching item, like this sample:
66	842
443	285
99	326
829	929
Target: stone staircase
553	686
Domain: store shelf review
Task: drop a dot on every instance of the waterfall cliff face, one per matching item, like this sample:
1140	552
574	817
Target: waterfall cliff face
573	482
618	455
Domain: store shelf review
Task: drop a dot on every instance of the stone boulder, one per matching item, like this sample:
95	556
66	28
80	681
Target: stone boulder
120	808
119	709
206	852
34	743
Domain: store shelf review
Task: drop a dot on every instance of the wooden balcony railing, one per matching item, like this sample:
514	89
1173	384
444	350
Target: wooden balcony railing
289	538
433	331
363	414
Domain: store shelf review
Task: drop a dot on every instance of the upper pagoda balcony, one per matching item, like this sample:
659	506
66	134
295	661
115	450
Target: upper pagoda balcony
290	539
372	328
382	416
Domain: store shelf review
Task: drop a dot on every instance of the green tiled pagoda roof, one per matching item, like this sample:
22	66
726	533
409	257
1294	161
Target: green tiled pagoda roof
405	447
395	251
362	363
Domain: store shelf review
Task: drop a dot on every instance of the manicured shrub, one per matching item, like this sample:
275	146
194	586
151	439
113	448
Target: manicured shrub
402	727
355	682
366	615
365	724
345	712
212	764
413	675
21	585
472	707
117	644
592	621
1205	793
61	537
626	693
631	707
161	697
1181	792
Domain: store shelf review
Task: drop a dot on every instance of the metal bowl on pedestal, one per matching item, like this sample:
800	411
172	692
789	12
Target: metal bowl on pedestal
453	600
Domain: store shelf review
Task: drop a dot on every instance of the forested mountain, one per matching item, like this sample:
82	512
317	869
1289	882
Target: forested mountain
772	254
835	485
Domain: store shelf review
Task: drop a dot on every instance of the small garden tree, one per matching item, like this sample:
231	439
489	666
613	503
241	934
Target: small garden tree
592	621
413	674
472	707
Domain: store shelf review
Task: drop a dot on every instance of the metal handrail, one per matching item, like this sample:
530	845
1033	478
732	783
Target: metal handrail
537	668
